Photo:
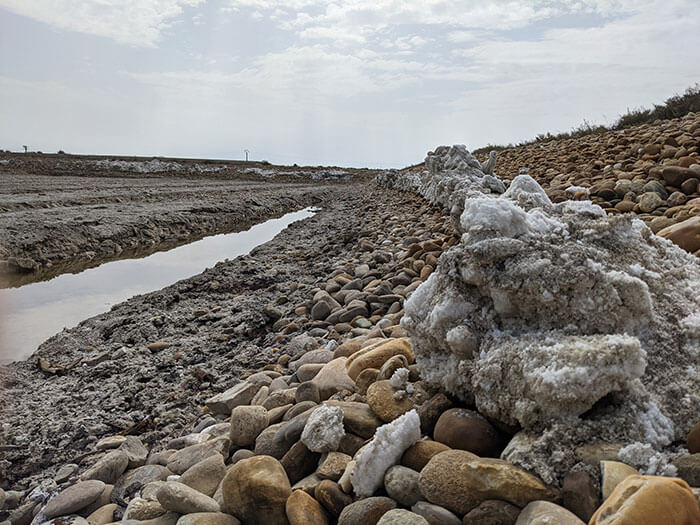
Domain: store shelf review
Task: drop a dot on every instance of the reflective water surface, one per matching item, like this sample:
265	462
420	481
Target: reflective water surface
34	312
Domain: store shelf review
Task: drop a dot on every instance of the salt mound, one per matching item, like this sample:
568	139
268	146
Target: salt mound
574	325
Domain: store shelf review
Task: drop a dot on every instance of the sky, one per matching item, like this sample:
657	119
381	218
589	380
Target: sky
362	83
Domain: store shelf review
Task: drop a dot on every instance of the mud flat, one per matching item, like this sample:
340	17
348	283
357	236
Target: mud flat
65	214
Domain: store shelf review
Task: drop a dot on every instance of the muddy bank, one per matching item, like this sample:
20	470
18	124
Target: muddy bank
237	316
52	225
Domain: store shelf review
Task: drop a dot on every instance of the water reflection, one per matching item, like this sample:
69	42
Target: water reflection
34	312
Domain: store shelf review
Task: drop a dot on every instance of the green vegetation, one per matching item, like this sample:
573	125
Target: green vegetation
674	107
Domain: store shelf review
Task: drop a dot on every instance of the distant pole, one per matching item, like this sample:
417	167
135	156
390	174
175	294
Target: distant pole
246	154
25	149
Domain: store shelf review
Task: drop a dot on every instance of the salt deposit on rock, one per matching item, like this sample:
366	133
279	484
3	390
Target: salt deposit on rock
386	448
573	324
324	429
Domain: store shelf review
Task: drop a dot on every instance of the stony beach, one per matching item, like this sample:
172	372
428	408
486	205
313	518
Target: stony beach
449	343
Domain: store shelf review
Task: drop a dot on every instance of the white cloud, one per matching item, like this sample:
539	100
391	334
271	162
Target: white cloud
132	22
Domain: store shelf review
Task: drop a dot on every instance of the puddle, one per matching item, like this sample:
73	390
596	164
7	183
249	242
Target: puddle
32	313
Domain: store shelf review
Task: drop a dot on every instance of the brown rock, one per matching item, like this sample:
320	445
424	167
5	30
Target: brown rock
207	518
103	515
302	509
358	418
688	467
544	513
108	468
376	357
686	162
333	377
612	473
333	466
367	511
649	500
579	494
467	430
332	497
417	455
693	439
132	481
675	175
365	379
382	400
690	186
430	411
73	498
188	456
685	234
392	365
625	206
458	480
206	475
178	497
299	462
239	394
247	421
255	491
492	512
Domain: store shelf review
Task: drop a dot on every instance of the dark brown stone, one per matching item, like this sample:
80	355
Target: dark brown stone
299	462
492	512
329	494
693	439
465	429
430	411
579	495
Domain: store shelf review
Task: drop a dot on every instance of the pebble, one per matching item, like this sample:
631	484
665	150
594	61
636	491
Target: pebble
239	394
382	400
376	357
417	455
401	484
142	509
688	468
402	517
331	496
108	468
467	430
430	411
110	442
685	234
188	456
298	462
206	475
324	429
73	498
333	466
579	494
435	515
247	421
366	511
180	498
103	515
358	418
651	500
333	377
308	391
492	511
546	513
135	451
612	473
459	480
256	489
63	474
207	518
302	509
133	480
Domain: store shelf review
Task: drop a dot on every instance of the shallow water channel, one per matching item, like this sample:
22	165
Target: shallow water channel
32	313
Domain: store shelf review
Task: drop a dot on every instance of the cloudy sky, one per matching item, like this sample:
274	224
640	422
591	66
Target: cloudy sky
358	83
